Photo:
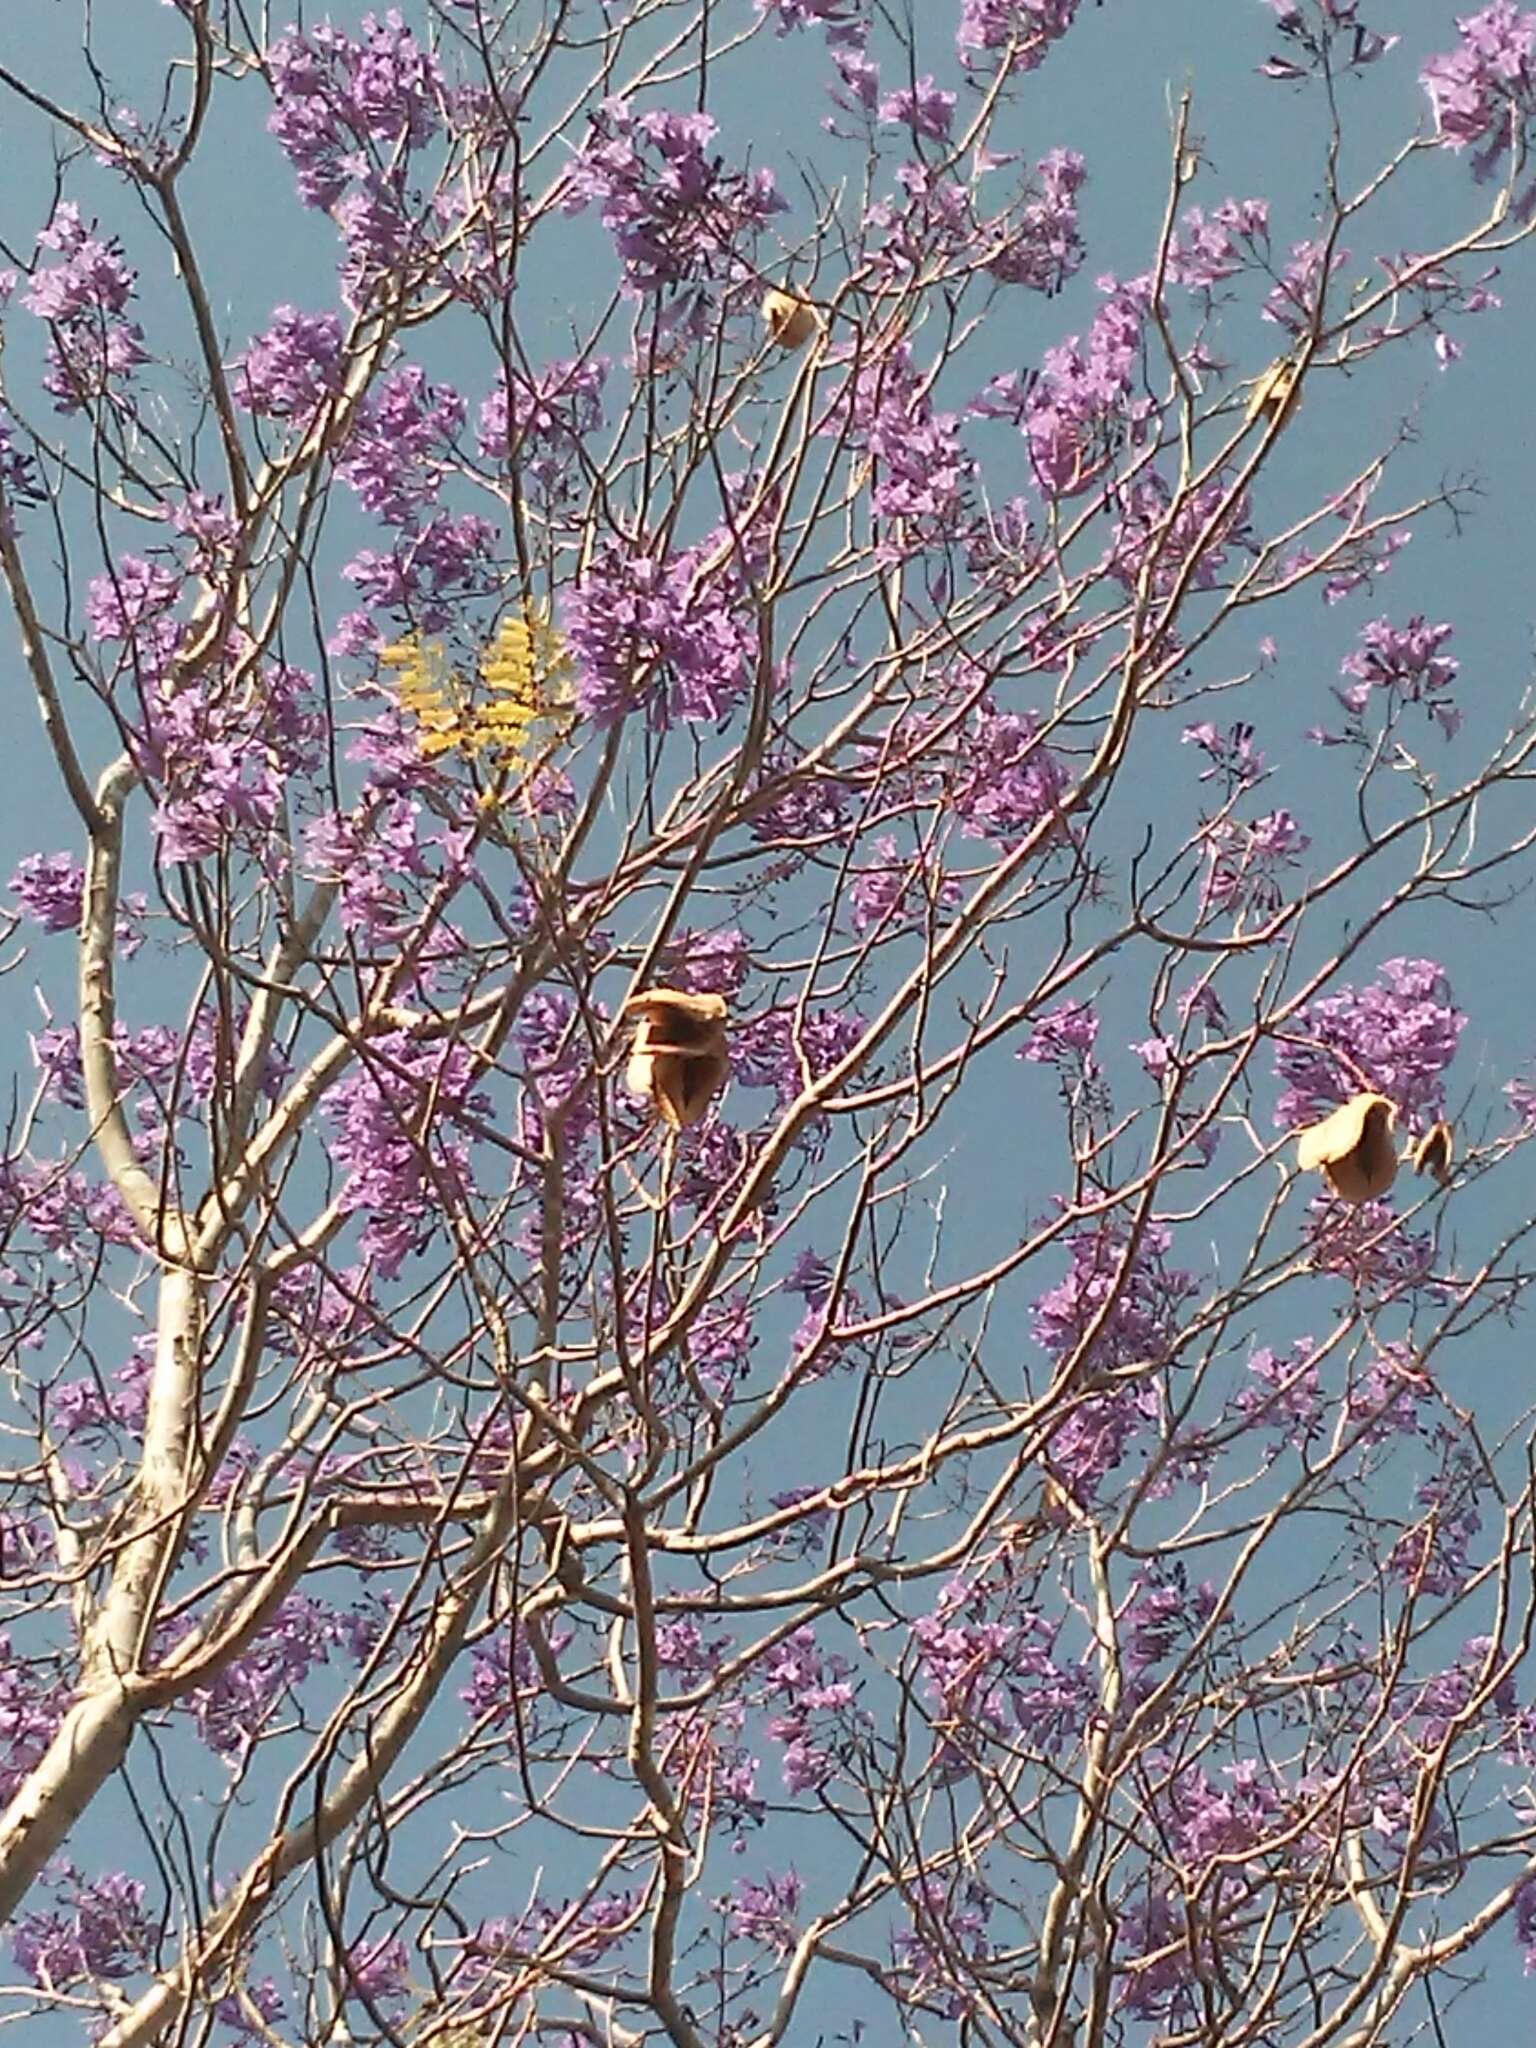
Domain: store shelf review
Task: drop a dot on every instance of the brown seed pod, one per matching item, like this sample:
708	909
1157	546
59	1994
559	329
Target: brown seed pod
791	321
1434	1152
679	1058
1354	1148
1276	394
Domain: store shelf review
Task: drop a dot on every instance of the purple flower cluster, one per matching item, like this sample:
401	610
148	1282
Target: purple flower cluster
896	890
31	1707
398	450
292	368
1248	861
989	1673
1021	30
92	343
1396	1036
947	1938
708	963
677	214
816	1688
231	1711
1209	248
1081	407
541	421
1406	663
1007	778
923	107
1295	301
1203	528
335	95
672	635
50	887
400	1178
1484	91
428	572
100	1930
219	763
785	1053
1064	1039
885	408
764	1912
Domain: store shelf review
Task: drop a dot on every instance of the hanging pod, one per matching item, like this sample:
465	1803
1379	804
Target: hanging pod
1434	1152
679	1058
1276	394
791	321
1354	1148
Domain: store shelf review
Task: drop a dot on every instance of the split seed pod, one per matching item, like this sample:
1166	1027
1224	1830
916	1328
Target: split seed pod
1354	1148
1276	394
1434	1153
679	1058
791	321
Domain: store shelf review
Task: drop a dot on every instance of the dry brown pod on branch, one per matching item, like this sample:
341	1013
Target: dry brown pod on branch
679	1058
1434	1152
1353	1147
791	321
1276	394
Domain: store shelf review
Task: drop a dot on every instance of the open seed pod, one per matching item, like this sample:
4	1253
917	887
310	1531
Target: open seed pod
1434	1152
1276	394
791	321
1354	1148
679	1058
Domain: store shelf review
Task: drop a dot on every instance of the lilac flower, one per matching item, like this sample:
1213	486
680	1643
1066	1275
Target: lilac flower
816	1689
1162	1610
1064	1039
781	1052
1203	520
677	215
708	963
1232	755
1434	1553
1008	780
684	1648
1046	247
232	1709
884	406
898	890
1207	249
924	108
1293	303
1476	88
50	887
83	298
948	1932
670	635
101	1930
293	367
989	1673
543	420
400	1178
1248	861
31	1708
1396	1036
335	96
1406	663
397	453
379	1971
1024	28
1288	1396
429	570
721	1341
764	1912
1081	405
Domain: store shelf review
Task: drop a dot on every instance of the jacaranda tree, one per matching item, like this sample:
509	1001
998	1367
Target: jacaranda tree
672	1373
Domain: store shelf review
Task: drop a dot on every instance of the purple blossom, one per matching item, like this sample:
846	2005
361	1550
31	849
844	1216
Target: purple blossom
31	1707
924	108
543	420
677	215
1046	247
233	1708
429	570
83	298
1207	249
764	1912
1249	860
50	887
293	367
897	890
1008	780
1288	1397
1232	755
398	1177
1396	1036
1484	90
100	1930
786	1053
1406	663
816	1690
337	99
1064	1039
708	963
1023	28
1295	301
671	635
397	454
1081	404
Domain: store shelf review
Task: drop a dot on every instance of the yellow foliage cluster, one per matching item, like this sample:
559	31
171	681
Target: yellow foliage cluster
522	701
